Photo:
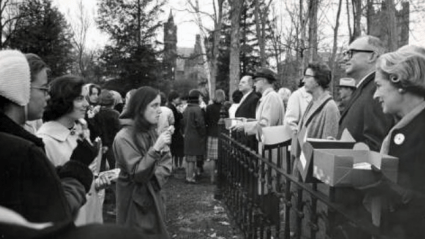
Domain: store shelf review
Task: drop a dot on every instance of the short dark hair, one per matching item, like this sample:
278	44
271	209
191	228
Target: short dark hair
237	96
63	91
173	95
36	65
322	73
94	86
194	96
140	99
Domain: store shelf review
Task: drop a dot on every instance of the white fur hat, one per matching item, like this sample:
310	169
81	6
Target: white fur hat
14	77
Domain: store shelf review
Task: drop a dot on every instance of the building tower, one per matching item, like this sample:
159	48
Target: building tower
170	48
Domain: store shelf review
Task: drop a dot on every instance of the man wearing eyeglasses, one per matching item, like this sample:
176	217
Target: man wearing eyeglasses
363	116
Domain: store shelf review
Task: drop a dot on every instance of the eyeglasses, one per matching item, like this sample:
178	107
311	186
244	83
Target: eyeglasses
349	53
257	79
305	76
45	90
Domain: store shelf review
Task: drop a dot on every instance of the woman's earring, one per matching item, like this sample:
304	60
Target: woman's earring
401	90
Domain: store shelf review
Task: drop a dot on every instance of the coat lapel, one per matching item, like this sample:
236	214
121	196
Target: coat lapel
357	93
315	108
244	102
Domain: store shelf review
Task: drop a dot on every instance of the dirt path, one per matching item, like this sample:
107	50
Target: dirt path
192	211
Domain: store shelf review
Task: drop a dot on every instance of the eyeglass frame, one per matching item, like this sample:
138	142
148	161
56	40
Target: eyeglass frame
305	75
46	90
255	79
350	52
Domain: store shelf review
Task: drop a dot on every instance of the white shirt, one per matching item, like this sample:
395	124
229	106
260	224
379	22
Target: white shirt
244	97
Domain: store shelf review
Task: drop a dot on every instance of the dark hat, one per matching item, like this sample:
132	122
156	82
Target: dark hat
265	73
106	98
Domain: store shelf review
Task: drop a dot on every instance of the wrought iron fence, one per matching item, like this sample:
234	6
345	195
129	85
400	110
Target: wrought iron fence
266	200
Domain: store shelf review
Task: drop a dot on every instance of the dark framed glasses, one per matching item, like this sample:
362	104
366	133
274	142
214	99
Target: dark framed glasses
45	89
349	53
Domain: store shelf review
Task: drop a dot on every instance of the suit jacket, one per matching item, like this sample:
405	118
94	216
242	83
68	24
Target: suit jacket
363	116
247	108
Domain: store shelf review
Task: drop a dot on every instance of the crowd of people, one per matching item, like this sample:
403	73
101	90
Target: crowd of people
64	141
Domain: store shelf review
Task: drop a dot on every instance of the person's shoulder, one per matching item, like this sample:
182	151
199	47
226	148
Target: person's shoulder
13	140
17	146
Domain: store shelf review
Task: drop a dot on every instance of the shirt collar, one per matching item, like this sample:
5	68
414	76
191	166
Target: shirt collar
363	79
55	130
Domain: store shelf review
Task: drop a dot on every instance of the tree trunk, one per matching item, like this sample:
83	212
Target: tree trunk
312	29
236	7
215	47
259	27
335	47
357	15
392	35
350	33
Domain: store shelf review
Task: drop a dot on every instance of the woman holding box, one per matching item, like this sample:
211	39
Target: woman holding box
400	88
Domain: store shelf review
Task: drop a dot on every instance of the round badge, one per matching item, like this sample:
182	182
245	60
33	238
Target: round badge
399	139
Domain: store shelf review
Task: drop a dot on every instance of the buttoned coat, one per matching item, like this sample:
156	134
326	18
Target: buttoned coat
143	174
363	116
194	130
407	144
60	142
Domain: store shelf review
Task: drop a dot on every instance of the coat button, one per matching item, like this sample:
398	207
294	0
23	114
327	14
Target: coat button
399	138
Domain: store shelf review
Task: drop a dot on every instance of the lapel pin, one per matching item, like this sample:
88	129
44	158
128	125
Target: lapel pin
399	138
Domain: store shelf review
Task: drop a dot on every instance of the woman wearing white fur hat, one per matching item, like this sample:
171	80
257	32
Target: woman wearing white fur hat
37	200
35	190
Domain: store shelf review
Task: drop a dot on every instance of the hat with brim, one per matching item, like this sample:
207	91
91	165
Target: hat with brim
265	73
347	82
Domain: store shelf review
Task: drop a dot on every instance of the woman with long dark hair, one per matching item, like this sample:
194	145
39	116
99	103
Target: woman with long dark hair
145	165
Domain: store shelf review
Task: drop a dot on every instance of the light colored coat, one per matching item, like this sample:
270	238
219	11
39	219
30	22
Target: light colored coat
60	142
297	104
322	117
270	112
143	174
166	118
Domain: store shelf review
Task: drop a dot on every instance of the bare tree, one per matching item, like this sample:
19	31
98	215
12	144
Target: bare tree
313	6
80	28
335	42
261	19
9	16
235	12
217	17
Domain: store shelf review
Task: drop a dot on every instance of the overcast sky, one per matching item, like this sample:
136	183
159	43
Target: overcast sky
187	28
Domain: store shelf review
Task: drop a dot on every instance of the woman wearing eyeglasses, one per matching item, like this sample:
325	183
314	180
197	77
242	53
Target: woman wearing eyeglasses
62	132
400	89
321	117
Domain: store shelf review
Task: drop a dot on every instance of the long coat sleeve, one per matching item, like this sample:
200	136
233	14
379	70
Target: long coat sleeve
143	173
270	112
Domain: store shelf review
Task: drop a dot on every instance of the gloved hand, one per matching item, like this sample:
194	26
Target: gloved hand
84	152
